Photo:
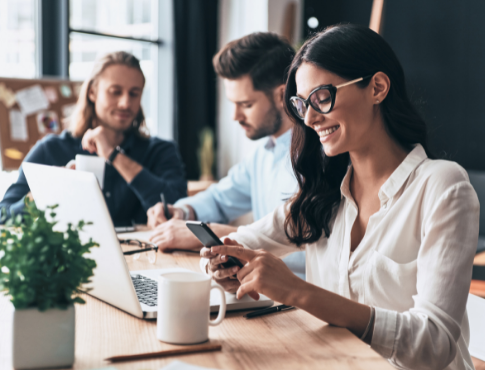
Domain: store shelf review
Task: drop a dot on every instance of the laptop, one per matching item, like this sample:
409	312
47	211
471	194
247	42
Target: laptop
80	198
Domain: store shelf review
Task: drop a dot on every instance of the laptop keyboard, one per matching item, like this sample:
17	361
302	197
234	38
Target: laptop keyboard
146	289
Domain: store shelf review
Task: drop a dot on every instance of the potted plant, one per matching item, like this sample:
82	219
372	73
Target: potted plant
42	271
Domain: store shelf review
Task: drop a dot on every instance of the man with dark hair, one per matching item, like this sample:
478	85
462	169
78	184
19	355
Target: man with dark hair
254	70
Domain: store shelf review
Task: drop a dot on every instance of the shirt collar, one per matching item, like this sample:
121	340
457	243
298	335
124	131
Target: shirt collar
396	180
402	172
282	141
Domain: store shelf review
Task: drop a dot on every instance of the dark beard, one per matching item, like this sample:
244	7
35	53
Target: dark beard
272	124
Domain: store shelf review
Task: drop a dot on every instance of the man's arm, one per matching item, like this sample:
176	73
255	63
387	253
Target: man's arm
161	170
13	200
163	173
174	234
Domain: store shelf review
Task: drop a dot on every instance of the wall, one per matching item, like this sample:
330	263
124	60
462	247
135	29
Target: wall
442	50
441	46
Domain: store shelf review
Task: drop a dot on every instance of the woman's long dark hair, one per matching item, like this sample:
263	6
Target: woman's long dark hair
349	51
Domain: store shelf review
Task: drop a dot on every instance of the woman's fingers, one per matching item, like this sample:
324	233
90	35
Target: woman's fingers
230	285
207	253
218	260
237	251
244	271
247	288
220	274
254	295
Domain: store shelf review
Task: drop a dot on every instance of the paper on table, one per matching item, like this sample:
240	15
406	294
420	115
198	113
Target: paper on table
179	365
32	99
142	236
18	126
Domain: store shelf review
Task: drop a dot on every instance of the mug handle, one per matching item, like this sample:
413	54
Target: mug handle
222	308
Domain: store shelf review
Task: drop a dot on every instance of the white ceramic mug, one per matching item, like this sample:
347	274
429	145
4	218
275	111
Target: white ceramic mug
184	307
92	163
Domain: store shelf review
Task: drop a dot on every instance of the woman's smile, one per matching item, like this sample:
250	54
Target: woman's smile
326	133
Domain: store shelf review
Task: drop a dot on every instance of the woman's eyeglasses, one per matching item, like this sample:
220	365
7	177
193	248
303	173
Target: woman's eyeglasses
322	99
149	249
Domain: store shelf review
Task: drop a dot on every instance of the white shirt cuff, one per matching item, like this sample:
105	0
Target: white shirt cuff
384	335
203	264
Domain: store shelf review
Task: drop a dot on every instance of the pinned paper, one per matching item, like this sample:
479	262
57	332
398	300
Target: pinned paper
7	96
32	99
77	89
13	153
47	122
68	110
18	126
51	93
65	91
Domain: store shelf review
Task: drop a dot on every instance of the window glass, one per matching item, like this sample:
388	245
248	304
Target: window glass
17	38
85	49
115	17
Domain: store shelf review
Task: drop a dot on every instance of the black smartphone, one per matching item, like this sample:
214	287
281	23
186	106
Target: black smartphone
209	239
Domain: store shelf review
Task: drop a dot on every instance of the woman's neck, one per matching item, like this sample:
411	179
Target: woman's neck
375	163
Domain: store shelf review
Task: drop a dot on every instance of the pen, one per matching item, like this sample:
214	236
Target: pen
165	207
268	310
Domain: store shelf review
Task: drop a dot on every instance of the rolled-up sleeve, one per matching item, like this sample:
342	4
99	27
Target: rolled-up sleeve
226	200
267	233
163	174
425	336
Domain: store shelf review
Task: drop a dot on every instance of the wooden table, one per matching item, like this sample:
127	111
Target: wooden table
287	340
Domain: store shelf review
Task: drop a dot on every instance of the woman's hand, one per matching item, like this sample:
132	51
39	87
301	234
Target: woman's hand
223	276
263	273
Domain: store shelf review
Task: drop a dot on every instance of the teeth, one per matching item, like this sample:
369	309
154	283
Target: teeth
328	131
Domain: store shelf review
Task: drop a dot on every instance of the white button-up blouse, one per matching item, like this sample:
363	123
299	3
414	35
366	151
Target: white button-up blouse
413	265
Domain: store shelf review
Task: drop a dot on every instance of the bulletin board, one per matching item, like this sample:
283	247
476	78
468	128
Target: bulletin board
29	110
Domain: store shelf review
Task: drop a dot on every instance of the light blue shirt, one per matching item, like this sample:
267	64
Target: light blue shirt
260	183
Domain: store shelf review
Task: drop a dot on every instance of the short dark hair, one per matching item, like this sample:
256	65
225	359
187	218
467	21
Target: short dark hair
265	56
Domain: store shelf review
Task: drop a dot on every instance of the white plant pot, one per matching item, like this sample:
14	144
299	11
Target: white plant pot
43	339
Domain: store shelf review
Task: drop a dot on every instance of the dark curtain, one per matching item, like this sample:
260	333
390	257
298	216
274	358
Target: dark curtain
195	80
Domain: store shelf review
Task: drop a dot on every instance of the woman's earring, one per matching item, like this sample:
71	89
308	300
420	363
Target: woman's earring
377	101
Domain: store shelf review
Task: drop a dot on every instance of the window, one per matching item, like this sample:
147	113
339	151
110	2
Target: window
98	27
18	38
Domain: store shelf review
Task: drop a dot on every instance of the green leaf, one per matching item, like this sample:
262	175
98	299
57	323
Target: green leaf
40	267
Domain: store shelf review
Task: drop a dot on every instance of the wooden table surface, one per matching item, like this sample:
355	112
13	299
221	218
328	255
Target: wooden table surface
287	340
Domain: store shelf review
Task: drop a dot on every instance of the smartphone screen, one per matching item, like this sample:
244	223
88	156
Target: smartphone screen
209	239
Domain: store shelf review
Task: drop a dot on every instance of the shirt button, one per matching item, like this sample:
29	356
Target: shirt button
384	206
108	194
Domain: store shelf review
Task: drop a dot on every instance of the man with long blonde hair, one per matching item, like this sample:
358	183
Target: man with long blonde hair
109	122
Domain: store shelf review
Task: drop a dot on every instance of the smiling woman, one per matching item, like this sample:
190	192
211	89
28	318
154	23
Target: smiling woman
109	123
389	233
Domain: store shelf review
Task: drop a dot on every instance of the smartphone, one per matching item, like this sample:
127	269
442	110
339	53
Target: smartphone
208	238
